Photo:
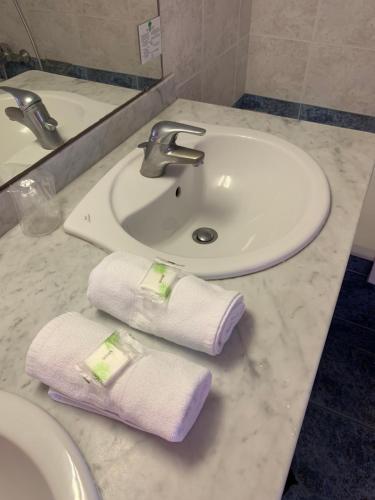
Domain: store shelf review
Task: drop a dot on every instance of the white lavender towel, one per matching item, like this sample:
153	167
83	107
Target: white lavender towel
160	393
199	315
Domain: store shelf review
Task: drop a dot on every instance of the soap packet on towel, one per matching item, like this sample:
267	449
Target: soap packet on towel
156	392
110	359
193	313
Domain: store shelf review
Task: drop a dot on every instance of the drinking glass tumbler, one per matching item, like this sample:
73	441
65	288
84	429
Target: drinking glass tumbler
36	205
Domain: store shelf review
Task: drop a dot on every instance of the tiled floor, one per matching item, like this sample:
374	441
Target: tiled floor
335	454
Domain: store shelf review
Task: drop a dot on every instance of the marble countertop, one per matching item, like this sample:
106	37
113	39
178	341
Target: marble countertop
242	444
42	80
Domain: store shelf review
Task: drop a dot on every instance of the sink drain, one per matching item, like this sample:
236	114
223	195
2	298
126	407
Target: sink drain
204	235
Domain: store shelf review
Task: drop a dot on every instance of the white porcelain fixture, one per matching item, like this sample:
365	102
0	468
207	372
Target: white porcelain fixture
265	198
74	113
38	459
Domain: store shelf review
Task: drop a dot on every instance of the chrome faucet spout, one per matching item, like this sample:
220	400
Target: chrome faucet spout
33	114
161	149
24	98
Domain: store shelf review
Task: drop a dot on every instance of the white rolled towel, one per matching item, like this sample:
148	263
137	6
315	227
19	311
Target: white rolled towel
198	314
159	393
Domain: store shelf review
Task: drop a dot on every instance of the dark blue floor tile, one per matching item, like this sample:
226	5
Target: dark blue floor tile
300	493
356	300
334	458
352	335
358	265
345	381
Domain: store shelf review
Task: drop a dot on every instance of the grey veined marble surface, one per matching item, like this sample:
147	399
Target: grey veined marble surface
241	446
42	80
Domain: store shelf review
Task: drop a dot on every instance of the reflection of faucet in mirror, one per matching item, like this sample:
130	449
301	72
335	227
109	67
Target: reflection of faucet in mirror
79	88
7	55
161	149
33	114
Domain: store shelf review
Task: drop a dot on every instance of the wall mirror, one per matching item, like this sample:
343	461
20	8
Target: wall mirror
64	65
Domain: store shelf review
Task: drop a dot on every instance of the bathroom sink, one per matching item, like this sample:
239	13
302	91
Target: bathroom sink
38	459
261	198
18	145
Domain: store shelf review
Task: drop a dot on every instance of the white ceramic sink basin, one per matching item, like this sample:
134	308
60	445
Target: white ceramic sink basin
265	198
18	145
38	459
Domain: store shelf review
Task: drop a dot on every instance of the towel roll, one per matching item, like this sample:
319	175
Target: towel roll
159	393
198	314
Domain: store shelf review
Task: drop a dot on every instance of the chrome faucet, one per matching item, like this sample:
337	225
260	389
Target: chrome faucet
7	55
33	114
161	149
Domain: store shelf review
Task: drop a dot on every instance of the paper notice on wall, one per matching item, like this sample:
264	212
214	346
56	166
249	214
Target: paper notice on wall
150	39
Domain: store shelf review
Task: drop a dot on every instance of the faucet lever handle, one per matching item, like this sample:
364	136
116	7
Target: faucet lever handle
50	124
165	132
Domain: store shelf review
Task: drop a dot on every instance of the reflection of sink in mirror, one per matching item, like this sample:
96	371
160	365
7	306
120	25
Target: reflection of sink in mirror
265	198
98	56
38	459
18	145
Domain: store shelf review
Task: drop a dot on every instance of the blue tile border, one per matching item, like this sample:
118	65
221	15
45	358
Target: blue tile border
306	112
85	73
268	105
337	118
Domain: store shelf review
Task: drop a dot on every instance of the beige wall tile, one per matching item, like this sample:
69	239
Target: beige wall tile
245	17
293	19
192	89
219	79
347	22
55	33
113	45
337	76
140	11
220	68
181	37
53	5
108	43
276	67
364	240
242	51
341	78
221	27
12	31
92	33
98	8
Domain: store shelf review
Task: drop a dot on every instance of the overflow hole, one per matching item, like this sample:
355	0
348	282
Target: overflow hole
178	192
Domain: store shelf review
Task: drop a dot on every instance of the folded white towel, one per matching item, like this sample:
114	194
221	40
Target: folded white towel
198	314
159	393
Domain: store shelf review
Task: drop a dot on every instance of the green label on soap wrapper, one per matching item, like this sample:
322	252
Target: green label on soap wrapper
108	360
159	280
